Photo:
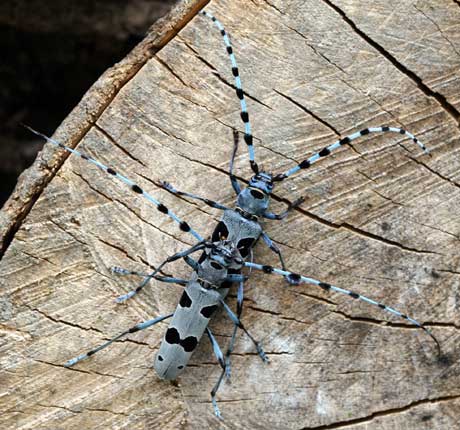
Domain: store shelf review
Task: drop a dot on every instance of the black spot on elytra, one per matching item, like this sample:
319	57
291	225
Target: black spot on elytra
185	300
189	343
386	226
426	418
245	245
160	358
203	257
207	311
257	194
215	265
180	367
220	232
172	336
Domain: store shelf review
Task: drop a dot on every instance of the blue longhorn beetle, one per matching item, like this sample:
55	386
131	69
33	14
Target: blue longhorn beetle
225	254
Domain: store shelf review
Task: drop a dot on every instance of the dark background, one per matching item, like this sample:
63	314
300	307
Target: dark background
52	51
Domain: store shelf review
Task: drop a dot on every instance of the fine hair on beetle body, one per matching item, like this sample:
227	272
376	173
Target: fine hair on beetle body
228	250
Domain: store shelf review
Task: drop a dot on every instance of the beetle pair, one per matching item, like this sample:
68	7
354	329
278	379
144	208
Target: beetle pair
227	252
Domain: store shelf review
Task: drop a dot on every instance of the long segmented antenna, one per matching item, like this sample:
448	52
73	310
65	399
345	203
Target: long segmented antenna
184	226
296	278
336	145
134	329
239	90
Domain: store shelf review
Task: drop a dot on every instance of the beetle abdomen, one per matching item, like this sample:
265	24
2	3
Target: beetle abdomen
187	326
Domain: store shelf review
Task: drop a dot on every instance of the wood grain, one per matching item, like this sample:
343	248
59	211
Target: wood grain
380	218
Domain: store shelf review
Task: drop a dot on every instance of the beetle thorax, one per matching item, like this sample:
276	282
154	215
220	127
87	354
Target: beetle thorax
214	268
255	198
211	273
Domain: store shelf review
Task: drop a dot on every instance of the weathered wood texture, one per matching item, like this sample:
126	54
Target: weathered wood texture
380	218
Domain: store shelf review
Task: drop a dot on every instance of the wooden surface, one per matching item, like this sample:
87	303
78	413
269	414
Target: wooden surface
380	218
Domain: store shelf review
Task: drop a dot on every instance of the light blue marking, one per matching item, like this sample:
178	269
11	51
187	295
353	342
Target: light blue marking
75	360
230	313
414	322
354	136
233	60
238	82
215	347
251	152
216	408
125	297
372	302
292	171
149	323
394	311
335	145
120	270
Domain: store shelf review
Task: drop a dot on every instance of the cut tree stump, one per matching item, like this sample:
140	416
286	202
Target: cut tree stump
380	218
